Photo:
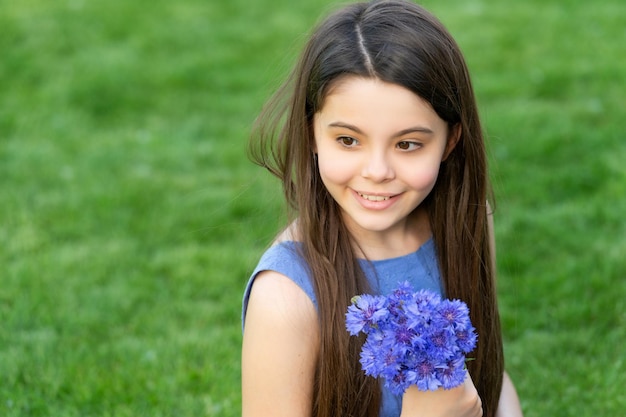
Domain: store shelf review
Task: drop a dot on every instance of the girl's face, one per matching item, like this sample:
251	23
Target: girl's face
379	148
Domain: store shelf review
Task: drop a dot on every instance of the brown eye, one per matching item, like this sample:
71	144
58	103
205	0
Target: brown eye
406	145
347	141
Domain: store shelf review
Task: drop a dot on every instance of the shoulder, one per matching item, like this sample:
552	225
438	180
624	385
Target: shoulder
277	300
285	259
280	348
280	293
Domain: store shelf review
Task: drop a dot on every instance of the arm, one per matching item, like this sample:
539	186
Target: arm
280	347
509	405
462	401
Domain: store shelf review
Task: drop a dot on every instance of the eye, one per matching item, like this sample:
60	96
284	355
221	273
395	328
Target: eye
347	141
406	145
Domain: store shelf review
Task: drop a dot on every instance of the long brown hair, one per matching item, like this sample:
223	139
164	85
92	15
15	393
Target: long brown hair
401	43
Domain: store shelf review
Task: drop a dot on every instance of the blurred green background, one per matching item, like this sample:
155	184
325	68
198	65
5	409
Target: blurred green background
130	217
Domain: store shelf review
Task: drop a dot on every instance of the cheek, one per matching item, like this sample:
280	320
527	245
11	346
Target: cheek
334	170
423	178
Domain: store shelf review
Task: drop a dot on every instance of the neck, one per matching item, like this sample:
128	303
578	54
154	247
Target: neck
402	240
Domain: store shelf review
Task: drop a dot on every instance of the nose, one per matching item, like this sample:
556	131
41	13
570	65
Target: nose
378	167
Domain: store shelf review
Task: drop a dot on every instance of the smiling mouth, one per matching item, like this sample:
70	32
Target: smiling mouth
374	197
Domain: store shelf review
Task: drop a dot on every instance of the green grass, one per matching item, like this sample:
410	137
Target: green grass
131	217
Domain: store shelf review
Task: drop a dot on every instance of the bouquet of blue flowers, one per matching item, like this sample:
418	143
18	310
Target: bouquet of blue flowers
413	338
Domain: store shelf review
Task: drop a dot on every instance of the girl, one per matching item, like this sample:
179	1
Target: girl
377	141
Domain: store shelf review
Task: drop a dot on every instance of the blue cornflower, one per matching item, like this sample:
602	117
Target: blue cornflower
365	312
397	383
466	339
420	309
370	362
403	293
443	343
397	300
413	338
453	314
425	376
452	373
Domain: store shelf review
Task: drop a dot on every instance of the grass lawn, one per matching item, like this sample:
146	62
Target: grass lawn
131	217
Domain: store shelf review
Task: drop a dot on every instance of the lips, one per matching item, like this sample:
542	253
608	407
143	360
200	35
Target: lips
376	202
374	197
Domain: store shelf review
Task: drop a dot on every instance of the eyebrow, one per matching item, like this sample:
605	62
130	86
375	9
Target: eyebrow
415	129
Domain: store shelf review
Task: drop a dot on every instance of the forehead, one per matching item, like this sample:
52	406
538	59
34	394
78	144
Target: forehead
372	102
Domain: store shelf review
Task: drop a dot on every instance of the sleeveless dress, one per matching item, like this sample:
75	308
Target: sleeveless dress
420	268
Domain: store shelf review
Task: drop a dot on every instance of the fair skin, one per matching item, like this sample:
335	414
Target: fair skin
379	148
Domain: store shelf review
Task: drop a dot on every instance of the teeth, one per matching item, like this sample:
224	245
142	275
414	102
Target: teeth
374	197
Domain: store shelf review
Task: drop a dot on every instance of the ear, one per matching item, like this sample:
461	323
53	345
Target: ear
453	138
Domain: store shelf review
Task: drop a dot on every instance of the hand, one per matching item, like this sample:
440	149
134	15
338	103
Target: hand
462	401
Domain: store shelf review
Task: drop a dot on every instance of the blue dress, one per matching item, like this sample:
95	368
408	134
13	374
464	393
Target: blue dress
420	268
